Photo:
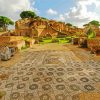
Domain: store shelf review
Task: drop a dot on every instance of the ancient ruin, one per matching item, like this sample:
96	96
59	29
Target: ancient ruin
42	28
51	57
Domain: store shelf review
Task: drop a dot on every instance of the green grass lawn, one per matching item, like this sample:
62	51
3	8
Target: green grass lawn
56	40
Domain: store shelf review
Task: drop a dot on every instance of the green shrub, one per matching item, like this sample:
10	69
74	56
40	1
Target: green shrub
24	47
55	40
69	39
40	39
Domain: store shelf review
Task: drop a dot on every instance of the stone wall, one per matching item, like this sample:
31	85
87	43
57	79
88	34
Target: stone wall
31	27
12	41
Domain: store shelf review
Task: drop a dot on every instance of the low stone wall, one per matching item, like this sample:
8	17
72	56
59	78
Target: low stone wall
17	44
30	42
9	38
12	41
94	45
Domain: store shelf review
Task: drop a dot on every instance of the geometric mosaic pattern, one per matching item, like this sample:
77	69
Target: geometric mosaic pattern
49	75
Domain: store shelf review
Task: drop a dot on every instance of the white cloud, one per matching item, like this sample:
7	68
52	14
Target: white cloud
80	13
12	8
61	17
52	12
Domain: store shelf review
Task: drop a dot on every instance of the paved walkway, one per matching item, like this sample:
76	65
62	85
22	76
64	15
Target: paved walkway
50	75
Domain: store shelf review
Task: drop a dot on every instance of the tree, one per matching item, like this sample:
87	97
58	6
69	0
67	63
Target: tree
69	24
44	18
4	22
91	26
86	25
95	23
90	33
28	14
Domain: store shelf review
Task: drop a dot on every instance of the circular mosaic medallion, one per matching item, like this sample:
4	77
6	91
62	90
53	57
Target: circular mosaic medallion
92	73
48	79
25	78
15	78
60	97
79	69
39	73
36	79
59	80
96	79
89	87
98	69
24	68
44	97
33	87
29	73
15	95
84	79
77	65
60	73
29	96
10	85
69	69
20	73
74	87
46	87
31	69
41	69
72	79
82	74
70	73
27	65
51	69
60	69
60	87
20	86
50	73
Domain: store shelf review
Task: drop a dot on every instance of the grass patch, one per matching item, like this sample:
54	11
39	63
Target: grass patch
24	47
56	40
26	39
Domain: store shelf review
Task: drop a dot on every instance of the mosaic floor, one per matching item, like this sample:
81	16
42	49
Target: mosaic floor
50	75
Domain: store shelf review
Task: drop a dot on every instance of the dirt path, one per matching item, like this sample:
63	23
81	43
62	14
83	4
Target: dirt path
82	54
37	47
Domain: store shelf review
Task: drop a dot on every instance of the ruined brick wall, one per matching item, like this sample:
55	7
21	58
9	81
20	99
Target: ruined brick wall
12	41
31	28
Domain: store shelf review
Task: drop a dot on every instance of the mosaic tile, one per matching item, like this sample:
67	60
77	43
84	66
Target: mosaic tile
33	87
60	87
39	76
15	96
45	97
84	79
60	97
89	87
46	87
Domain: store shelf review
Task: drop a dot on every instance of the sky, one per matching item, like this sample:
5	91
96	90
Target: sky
77	12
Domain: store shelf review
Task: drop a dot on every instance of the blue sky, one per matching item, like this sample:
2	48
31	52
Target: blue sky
61	6
77	12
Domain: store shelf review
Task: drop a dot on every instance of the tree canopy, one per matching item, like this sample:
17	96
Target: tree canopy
86	25
27	14
95	23
5	21
69	24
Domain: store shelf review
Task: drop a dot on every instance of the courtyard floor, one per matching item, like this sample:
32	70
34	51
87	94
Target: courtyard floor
50	72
